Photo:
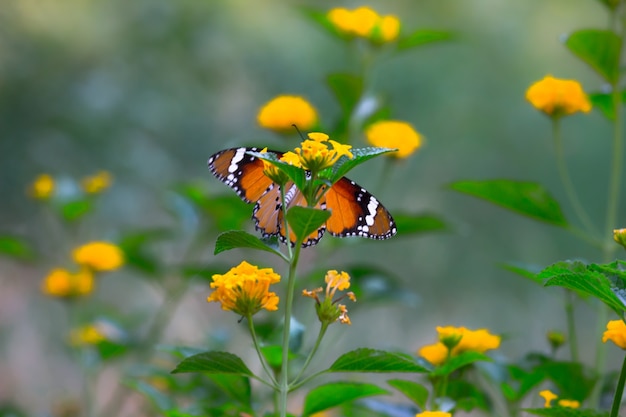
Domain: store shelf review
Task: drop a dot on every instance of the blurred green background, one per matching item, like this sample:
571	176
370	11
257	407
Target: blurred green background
148	89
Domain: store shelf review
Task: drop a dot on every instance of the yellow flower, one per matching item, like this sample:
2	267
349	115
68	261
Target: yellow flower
433	414
87	335
97	183
62	283
548	396
99	256
42	188
457	340
395	135
557	97
318	152
569	403
328	310
477	341
620	236
282	112
365	22
437	353
245	289
616	333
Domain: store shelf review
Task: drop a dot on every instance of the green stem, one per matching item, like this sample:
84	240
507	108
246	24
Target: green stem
619	391
571	325
320	336
570	190
257	347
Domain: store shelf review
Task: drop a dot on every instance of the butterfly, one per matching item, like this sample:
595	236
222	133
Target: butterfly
354	211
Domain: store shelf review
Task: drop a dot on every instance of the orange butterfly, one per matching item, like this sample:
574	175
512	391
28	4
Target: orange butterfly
354	211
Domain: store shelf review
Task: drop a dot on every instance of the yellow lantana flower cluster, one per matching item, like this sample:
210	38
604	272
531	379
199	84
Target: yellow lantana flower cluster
90	334
616	333
97	183
91	258
558	97
549	397
364	22
283	112
317	153
328	310
456	340
433	414
394	134
244	289
42	188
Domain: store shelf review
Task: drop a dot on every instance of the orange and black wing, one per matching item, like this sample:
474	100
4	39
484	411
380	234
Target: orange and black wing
241	172
356	212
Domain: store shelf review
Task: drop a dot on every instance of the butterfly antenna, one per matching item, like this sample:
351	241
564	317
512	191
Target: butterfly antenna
298	130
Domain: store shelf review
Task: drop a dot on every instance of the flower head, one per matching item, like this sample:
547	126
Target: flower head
433	414
318	152
282	112
42	188
549	398
63	283
87	335
244	289
620	237
556	339
616	333
99	256
97	183
329	310
456	340
395	135
364	22
558	97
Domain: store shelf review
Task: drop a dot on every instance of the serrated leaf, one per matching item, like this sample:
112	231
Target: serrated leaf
527	198
235	386
360	155
604	103
372	360
236	239
598	48
333	394
459	361
305	220
74	210
412	390
576	276
527	271
347	89
215	363
15	247
565	412
423	37
409	224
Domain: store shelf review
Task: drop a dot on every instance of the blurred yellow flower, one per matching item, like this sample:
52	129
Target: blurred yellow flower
620	236
457	340
558	97
86	335
63	283
616	333
244	289
97	183
328	309
568	403
394	135
42	188
365	22
548	396
99	256
433	414
282	112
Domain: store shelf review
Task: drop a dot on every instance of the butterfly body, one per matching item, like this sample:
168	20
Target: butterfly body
354	211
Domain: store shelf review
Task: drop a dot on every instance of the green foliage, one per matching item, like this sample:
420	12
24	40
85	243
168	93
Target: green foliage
459	361
372	360
16	248
410	224
565	412
213	362
334	394
423	37
348	89
136	246
360	155
526	271
527	198
304	220
412	390
239	239
598	48
604	103
76	209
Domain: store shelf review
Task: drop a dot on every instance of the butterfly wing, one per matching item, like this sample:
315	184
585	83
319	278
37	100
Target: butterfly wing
241	172
356	212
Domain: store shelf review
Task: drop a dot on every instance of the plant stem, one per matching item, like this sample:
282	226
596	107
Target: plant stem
570	190
619	391
320	336
257	346
570	297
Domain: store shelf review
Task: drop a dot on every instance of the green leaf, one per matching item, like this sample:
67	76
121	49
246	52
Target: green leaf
74	210
527	271
598	48
527	198
305	220
136	252
333	394
459	361
410	224
160	400
228	212
237	387
423	37
467	396
239	239
604	103
371	360
360	155
571	379
347	89
412	390
576	276
15	247
611	4
565	412
214	363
